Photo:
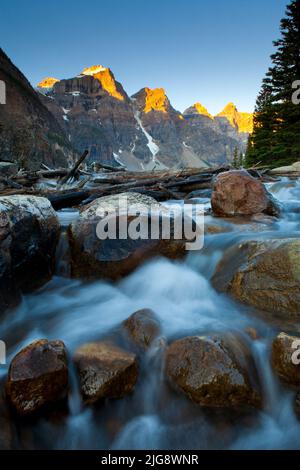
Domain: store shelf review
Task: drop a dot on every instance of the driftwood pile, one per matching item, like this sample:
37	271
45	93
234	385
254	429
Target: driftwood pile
162	185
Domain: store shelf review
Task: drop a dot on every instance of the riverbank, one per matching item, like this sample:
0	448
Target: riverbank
186	304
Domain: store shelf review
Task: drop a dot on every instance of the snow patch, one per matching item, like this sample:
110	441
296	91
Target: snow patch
117	158
187	146
154	149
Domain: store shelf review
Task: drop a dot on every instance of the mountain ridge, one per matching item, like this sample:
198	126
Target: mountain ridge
142	131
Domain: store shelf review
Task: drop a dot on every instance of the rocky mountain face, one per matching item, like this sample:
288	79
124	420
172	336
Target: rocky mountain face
143	131
29	133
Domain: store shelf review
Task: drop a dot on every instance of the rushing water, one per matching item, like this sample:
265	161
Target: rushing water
154	417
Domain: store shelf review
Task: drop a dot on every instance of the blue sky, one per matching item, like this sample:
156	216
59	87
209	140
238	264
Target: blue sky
212	51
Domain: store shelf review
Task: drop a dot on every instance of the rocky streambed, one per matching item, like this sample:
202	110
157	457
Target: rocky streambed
143	351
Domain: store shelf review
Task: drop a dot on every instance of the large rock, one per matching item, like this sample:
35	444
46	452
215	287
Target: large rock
264	274
105	371
210	372
290	169
142	327
115	258
6	424
29	231
238	193
285	358
38	376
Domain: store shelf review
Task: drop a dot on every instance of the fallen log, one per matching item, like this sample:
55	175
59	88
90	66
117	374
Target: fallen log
69	199
73	170
162	185
110	168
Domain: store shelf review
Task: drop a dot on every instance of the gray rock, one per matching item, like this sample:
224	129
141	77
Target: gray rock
93	257
29	232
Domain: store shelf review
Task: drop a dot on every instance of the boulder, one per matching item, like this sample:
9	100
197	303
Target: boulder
6	424
142	328
38	376
238	193
29	232
284	358
289	169
93	257
208	371
105	371
263	274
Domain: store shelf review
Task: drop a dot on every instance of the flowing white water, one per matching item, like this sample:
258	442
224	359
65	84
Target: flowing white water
181	294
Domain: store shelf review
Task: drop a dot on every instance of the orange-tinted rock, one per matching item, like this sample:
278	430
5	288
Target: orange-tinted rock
142	328
242	122
238	193
284	358
263	274
38	376
47	82
105	371
208	372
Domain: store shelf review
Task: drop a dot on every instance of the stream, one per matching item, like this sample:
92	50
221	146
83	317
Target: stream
154	416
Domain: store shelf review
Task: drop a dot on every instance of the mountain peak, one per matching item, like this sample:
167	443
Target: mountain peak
243	122
155	100
93	70
106	79
48	82
198	108
229	108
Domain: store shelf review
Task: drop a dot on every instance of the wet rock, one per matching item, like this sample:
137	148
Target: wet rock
238	193
252	333
263	274
38	376
6	425
213	228
207	370
93	257
105	371
29	232
142	327
285	355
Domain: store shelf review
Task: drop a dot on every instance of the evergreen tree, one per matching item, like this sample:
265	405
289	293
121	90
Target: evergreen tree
235	160
241	160
276	137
